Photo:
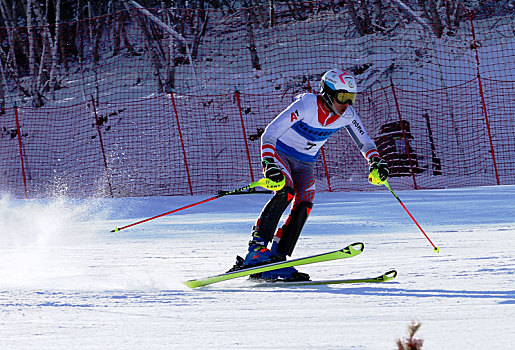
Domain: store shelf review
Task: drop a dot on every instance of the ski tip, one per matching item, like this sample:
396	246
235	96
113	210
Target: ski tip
358	246
390	275
353	249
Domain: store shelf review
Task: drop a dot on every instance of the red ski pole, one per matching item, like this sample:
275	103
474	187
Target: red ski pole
264	182
435	248
374	179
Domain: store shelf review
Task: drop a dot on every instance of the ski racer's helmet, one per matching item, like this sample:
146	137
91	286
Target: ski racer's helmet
339	85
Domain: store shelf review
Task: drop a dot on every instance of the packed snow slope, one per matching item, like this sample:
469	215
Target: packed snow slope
67	282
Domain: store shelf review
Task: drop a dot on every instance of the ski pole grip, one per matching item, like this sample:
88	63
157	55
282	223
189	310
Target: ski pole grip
374	179
270	185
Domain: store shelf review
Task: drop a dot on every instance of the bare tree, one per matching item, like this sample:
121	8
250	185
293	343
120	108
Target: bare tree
441	17
200	32
367	16
55	47
80	51
378	11
37	98
93	45
2	88
152	44
47	75
359	22
430	10
252	43
408	12
9	58
273	20
120	36
169	54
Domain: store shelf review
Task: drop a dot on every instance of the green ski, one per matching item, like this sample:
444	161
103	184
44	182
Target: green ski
347	252
388	276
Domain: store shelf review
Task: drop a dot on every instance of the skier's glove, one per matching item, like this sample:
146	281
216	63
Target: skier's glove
271	170
380	165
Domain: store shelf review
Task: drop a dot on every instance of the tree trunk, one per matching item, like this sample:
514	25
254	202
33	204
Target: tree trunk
11	64
117	35
367	22
412	14
252	44
32	55
170	54
436	22
92	48
378	13
2	88
196	42
151	50
98	37
452	16
273	20
55	56
124	37
37	99
80	50
48	79
355	19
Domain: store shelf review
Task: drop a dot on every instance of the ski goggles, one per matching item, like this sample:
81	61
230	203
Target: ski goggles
344	97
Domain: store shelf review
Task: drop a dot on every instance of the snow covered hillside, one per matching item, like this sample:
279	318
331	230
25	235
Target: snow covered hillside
435	81
67	282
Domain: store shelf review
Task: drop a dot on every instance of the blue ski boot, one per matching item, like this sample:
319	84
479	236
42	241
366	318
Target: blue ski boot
287	274
258	255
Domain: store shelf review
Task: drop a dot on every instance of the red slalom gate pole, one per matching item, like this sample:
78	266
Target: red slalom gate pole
18	131
435	248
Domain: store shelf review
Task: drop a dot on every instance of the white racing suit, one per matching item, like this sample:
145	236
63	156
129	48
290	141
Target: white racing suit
293	139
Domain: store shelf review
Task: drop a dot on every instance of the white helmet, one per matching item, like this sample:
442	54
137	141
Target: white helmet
339	85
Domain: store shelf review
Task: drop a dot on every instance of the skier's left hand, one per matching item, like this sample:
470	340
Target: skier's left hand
381	166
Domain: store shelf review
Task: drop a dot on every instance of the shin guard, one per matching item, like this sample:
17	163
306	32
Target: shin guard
271	214
290	232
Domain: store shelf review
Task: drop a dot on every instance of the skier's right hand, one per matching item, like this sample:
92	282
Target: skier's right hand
271	170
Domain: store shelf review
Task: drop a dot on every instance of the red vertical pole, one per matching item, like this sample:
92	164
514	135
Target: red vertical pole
102	146
244	135
483	103
326	171
21	150
182	142
404	134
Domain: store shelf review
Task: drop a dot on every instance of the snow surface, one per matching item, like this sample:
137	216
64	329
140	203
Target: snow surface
68	283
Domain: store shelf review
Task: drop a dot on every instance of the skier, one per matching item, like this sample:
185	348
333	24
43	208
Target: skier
290	147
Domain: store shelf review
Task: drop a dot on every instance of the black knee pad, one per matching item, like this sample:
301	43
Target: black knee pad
271	214
292	228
